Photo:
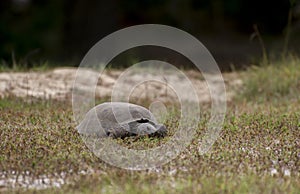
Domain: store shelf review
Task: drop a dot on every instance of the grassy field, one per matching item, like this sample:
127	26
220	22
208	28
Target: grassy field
258	150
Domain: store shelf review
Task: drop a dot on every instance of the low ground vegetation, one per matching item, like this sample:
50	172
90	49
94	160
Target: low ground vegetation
257	151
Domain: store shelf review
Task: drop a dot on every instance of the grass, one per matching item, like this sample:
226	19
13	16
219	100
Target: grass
39	138
33	67
257	151
275	82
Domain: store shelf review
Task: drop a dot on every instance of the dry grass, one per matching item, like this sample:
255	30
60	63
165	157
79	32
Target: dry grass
39	138
257	151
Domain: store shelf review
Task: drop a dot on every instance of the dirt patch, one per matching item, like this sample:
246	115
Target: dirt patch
58	84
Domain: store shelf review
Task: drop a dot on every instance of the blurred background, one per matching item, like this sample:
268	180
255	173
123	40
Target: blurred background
237	32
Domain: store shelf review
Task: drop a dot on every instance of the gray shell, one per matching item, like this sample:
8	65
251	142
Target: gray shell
119	119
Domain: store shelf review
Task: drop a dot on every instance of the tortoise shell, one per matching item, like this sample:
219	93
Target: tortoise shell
120	119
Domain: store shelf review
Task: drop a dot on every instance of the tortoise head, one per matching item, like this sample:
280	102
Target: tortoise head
152	130
146	127
161	130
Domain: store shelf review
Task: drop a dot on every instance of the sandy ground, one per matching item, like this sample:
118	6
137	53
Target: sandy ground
58	84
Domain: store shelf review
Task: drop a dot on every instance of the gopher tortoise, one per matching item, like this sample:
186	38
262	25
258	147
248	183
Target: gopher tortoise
119	120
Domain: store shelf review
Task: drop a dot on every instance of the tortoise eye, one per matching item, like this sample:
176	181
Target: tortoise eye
143	120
